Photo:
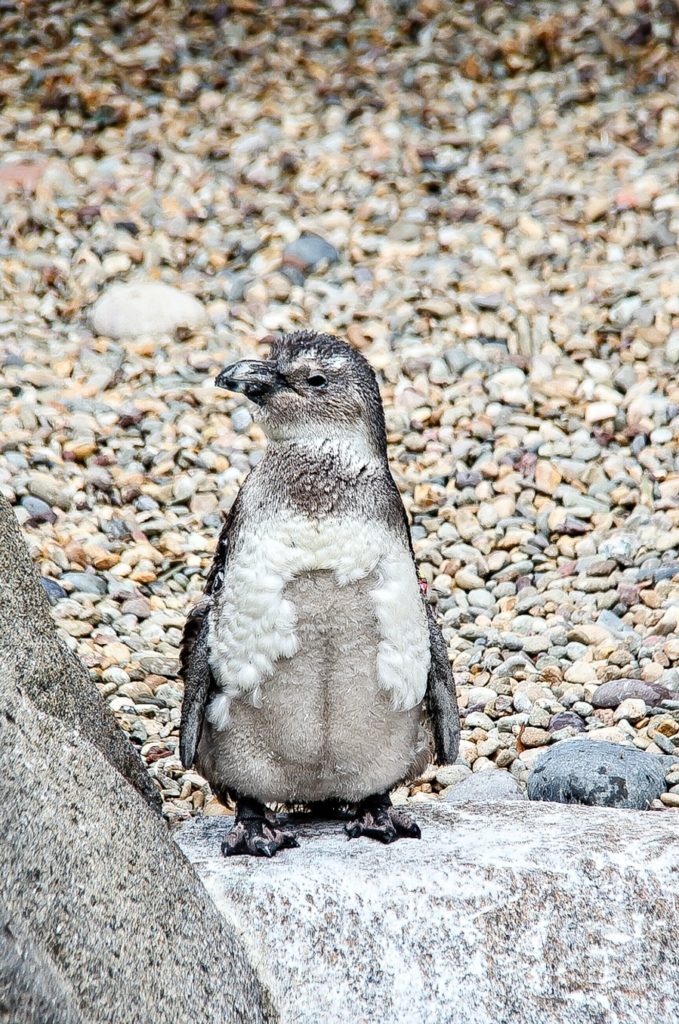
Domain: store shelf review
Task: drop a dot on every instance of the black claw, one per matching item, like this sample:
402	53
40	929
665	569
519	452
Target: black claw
255	833
377	819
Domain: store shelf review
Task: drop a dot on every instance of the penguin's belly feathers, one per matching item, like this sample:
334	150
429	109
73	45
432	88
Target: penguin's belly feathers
319	647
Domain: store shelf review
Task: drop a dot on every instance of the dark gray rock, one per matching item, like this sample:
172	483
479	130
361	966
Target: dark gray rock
566	720
308	252
598	773
85	582
39	510
612	694
54	591
484	787
506	913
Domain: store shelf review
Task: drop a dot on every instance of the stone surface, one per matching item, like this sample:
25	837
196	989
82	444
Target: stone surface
484	787
504	913
602	774
145	308
31	989
112	921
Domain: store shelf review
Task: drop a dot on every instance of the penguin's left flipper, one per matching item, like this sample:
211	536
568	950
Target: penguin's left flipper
193	656
441	700
197	680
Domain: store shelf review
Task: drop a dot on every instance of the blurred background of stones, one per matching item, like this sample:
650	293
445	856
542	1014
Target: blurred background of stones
483	199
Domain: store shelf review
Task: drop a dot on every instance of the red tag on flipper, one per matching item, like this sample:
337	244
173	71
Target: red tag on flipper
424	586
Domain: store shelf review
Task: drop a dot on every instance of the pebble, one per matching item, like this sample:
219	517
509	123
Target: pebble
55	592
309	252
614	693
484	787
630	709
145	308
84	582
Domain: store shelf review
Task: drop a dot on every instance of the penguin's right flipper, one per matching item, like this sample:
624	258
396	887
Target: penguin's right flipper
197	677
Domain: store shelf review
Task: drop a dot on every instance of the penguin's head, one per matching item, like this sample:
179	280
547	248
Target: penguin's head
312	387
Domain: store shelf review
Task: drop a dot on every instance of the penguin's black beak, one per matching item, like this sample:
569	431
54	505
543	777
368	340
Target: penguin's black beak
252	378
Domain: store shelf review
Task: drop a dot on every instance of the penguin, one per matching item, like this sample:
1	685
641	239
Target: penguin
311	657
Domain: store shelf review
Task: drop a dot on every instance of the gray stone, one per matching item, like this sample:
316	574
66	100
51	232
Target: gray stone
484	787
48	490
308	252
241	420
31	990
39	510
566	720
601	774
450	774
620	546
54	591
145	308
613	693
84	582
467	923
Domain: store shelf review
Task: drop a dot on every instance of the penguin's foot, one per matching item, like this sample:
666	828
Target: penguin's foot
376	818
256	832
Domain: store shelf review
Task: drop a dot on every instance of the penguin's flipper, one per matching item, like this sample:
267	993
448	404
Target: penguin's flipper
193	656
197	680
441	699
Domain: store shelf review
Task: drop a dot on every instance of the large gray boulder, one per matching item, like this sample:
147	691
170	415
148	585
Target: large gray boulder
101	919
502	913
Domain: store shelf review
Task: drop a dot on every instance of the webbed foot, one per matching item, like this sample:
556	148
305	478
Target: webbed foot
256	833
376	818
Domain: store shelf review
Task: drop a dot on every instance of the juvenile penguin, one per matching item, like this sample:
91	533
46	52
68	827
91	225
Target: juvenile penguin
309	660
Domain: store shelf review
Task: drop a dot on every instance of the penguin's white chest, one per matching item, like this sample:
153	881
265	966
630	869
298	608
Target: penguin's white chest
253	625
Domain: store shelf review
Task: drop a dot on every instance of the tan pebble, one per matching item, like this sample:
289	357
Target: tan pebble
610	734
78	451
100	558
670	799
117	652
630	709
143	576
76	627
547	476
580	671
533	737
664	724
599	412
213	808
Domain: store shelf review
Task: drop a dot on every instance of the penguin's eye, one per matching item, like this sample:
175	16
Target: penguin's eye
317	380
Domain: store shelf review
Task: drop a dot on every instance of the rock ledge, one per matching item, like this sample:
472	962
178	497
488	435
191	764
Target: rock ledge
538	913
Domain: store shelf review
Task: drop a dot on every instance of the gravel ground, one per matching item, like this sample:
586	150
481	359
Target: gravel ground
483	199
